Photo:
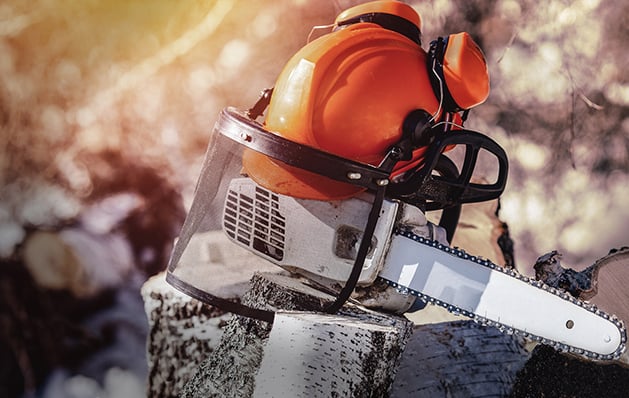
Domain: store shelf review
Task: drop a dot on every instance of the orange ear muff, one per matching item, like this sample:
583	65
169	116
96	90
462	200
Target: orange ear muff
458	72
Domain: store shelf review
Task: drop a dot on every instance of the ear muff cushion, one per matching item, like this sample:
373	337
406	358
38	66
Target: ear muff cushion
458	72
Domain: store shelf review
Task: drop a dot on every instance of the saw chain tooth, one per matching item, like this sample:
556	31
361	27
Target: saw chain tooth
456	251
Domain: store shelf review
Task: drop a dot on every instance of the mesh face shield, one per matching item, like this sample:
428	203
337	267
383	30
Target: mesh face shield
236	227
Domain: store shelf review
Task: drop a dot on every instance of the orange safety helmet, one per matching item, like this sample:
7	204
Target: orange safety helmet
349	93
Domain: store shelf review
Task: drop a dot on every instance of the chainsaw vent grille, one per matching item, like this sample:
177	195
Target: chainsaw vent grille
255	221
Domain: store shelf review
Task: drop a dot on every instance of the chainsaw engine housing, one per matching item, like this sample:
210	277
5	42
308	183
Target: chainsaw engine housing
310	237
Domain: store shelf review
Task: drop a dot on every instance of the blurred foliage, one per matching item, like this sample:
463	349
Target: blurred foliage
558	73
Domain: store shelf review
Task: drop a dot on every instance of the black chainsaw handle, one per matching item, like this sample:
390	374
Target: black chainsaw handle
431	191
450	215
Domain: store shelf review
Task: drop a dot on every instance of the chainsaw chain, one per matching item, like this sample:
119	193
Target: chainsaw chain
505	328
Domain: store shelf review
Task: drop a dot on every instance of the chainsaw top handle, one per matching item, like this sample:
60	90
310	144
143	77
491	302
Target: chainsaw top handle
429	188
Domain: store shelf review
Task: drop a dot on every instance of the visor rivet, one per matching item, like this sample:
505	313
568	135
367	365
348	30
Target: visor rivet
245	137
352	175
382	182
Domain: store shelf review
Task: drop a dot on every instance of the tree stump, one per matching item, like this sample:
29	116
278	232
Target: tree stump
352	354
459	359
183	332
316	355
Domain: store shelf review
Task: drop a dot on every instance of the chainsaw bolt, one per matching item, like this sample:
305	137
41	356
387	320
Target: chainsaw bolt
570	324
352	175
382	182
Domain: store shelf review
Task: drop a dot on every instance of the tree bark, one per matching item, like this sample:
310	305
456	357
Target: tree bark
459	359
183	332
352	354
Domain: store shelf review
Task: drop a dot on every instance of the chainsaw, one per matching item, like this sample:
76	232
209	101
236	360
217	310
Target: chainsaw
321	240
335	184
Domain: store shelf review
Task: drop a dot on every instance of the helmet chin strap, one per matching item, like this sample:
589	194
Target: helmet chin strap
363	249
396	153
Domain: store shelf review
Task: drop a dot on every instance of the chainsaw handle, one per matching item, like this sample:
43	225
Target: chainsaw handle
450	215
432	192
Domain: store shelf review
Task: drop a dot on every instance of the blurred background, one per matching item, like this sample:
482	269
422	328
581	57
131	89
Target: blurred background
105	112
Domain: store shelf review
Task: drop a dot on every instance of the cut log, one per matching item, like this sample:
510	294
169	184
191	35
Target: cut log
603	284
459	359
78	261
251	347
316	355
183	332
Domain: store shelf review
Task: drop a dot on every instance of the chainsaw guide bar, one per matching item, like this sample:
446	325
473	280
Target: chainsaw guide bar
585	321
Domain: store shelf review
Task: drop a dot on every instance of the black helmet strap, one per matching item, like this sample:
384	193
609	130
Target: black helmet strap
388	21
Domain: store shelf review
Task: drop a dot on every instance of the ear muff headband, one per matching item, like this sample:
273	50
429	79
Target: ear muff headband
436	53
388	21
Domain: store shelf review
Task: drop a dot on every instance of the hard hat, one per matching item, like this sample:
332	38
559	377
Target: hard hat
346	93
